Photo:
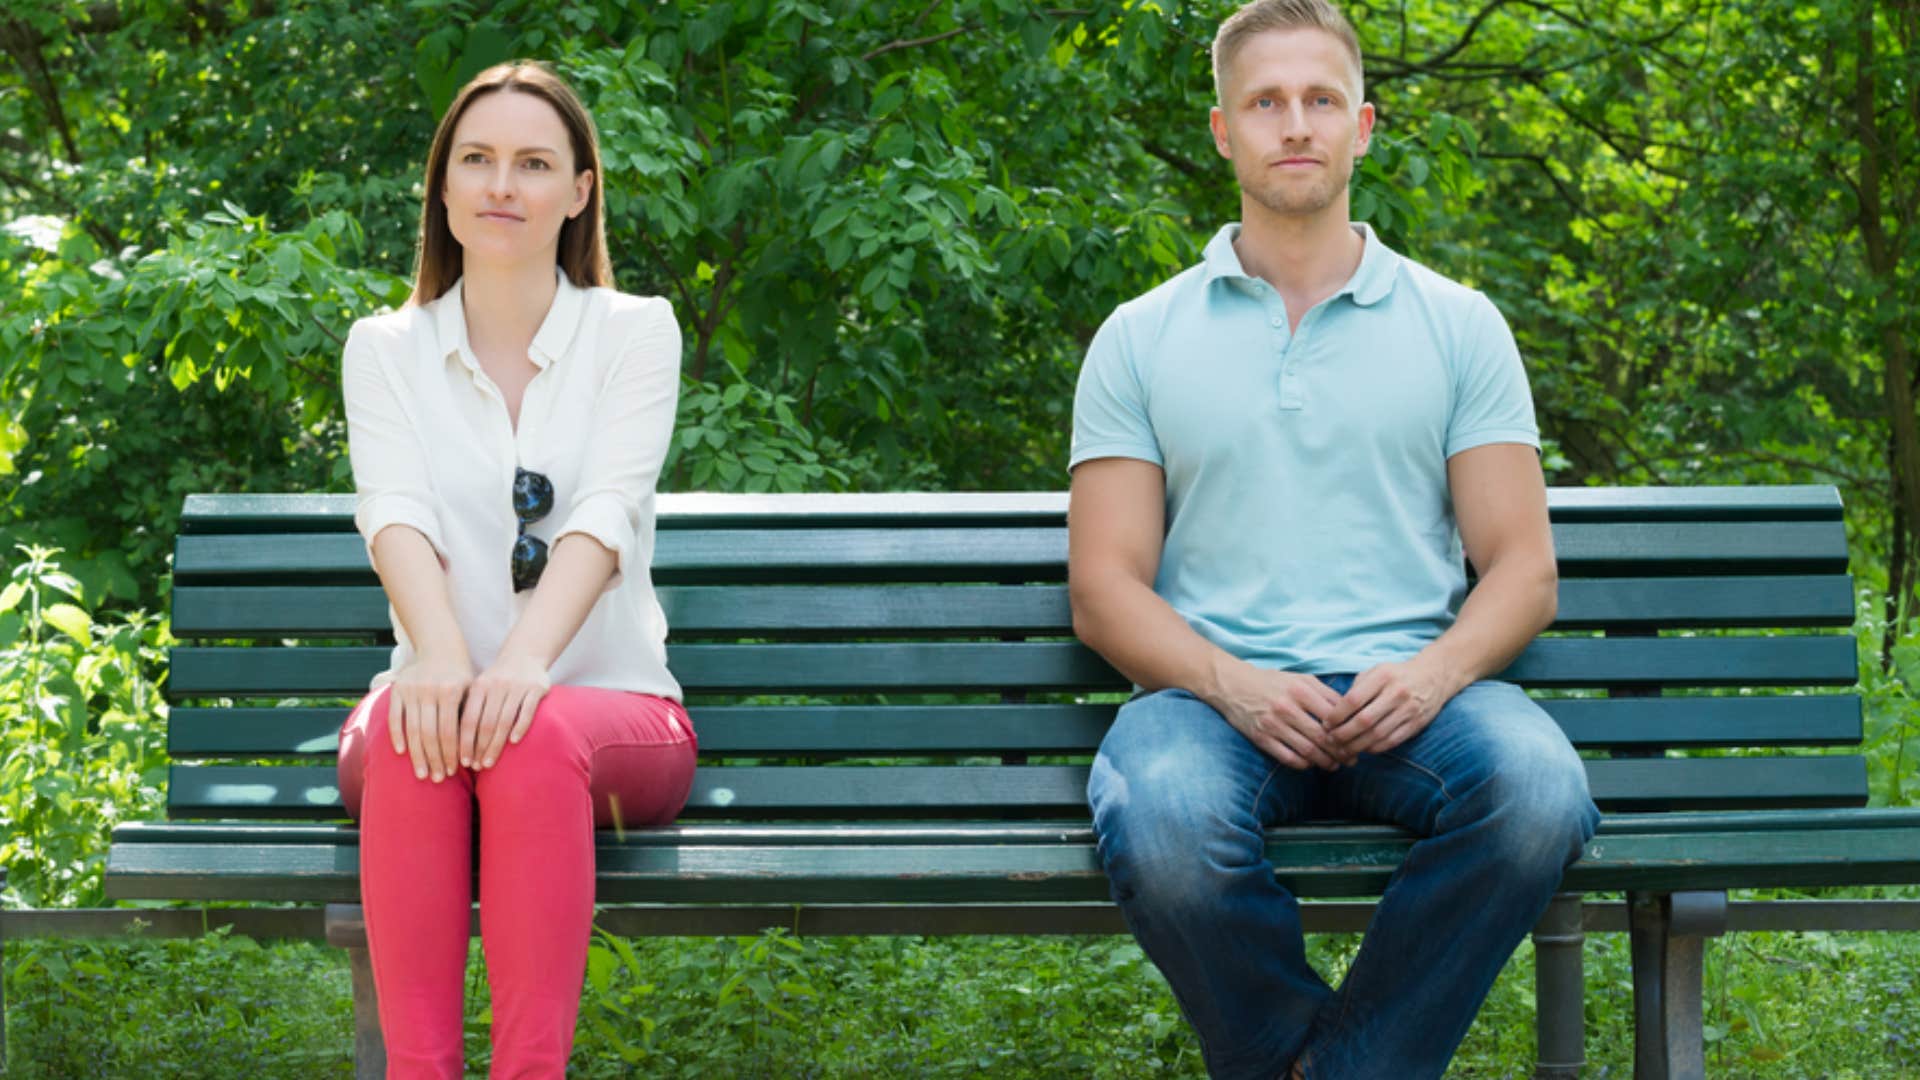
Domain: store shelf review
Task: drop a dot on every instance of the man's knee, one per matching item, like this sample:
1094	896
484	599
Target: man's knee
1539	805
1168	838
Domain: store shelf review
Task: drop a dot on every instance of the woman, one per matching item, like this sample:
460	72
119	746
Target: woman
506	429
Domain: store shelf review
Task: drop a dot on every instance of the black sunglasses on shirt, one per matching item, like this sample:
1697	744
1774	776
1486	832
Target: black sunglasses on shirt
532	500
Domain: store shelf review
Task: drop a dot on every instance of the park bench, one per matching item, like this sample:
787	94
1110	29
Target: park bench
895	725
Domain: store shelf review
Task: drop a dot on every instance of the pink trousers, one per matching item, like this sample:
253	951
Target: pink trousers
591	758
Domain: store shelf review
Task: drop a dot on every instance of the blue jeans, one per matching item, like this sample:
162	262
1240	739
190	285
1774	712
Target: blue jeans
1180	801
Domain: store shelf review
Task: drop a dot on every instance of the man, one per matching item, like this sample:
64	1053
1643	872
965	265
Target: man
1279	457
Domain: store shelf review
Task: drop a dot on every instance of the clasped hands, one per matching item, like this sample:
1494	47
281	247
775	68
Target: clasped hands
442	715
1302	723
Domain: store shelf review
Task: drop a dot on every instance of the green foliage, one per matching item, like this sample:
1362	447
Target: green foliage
729	1004
905	220
81	722
1021	1008
207	364
894	226
219	1006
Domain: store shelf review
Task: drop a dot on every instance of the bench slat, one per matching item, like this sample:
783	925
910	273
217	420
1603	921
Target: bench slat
948	790
216	671
963	610
276	513
904	730
1014	553
1002	831
288	513
1875	848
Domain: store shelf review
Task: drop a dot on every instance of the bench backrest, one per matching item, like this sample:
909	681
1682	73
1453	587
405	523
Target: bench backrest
902	656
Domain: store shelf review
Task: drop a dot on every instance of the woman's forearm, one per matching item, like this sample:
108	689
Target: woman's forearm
575	576
416	586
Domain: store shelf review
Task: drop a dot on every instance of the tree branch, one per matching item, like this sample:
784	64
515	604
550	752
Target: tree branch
322	327
1865	484
673	279
914	43
1185	166
109	243
23	44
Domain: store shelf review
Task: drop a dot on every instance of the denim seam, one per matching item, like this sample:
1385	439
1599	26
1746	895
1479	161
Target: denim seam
1394	755
1261	793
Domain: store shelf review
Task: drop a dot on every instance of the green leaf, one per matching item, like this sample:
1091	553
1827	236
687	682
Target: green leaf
64	582
886	101
69	620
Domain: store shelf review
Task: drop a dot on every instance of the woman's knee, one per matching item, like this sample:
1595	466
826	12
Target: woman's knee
548	751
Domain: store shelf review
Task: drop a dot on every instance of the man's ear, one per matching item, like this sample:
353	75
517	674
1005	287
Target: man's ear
1217	121
1365	136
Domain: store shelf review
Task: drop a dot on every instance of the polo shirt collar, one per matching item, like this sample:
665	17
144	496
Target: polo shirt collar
549	342
1372	280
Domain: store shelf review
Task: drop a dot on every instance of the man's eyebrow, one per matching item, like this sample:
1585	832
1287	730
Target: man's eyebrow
1280	91
525	150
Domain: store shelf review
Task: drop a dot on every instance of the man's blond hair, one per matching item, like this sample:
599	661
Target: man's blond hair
1264	15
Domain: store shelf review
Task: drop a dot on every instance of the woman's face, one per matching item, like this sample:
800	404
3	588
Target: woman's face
511	182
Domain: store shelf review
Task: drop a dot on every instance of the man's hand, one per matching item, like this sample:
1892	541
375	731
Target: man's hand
424	709
1389	704
1281	712
500	707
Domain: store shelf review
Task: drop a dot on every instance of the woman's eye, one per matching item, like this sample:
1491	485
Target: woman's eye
536	163
474	158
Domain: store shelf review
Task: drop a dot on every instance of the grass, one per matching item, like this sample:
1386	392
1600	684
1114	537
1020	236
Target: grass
1779	1005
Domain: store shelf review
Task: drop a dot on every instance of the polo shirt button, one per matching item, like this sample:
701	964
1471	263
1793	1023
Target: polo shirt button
1278	321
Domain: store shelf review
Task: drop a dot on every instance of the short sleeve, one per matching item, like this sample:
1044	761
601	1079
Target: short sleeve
1109	405
391	481
1491	400
632	427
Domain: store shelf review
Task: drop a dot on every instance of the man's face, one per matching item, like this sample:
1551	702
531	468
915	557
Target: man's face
1291	122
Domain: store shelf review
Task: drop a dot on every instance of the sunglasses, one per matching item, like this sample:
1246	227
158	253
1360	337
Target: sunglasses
532	500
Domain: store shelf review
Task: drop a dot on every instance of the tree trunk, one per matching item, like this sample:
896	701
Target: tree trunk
1882	251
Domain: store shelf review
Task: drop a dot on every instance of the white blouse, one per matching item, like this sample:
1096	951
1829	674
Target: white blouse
432	447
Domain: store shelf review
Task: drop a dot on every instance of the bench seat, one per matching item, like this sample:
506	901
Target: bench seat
1029	862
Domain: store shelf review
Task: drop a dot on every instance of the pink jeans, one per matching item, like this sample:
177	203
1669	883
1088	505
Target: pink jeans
591	758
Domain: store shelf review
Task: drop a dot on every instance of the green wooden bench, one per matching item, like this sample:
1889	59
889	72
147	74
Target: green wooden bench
895	725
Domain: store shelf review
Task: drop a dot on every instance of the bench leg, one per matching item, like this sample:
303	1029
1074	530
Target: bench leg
1669	949
1559	990
347	928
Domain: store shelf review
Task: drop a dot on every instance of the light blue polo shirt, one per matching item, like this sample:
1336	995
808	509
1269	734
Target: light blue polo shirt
1309	525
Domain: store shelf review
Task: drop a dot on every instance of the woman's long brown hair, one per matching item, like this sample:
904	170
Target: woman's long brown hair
583	238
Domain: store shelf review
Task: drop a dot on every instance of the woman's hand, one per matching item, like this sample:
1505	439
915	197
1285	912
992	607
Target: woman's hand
499	707
424	711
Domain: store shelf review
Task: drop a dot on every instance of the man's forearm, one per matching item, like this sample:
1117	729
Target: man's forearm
1145	639
1510	606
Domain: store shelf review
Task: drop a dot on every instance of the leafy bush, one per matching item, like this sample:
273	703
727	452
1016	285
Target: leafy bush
82	744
